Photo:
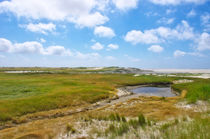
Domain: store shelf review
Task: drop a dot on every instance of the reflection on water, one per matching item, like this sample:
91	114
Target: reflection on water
154	91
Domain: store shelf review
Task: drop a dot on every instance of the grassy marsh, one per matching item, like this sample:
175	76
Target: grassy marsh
33	92
29	94
197	90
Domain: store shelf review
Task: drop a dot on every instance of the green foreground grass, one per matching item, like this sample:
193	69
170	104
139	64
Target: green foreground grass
141	127
21	94
198	128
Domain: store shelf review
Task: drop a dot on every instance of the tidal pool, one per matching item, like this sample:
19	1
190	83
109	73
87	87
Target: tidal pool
154	91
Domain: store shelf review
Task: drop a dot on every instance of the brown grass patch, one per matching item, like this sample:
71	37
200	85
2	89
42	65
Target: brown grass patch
152	107
183	93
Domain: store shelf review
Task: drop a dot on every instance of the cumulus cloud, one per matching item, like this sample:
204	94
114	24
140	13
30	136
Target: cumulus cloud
89	20
156	48
32	47
57	50
182	32
179	53
113	46
40	27
80	12
5	45
103	31
27	47
102	5
125	4
203	42
97	46
137	36
176	2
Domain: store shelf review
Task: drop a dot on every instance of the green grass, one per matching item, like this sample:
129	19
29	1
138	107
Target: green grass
199	128
197	90
21	94
124	126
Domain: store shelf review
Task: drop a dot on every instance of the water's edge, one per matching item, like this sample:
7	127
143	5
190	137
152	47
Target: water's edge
131	88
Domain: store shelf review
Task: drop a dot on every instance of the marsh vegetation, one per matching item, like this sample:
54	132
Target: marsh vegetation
34	95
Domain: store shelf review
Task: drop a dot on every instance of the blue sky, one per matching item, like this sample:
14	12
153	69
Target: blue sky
129	33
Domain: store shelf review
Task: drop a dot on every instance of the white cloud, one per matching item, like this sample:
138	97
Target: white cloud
5	45
103	31
176	2
203	43
40	27
42	40
113	46
191	13
102	5
136	37
156	48
205	19
97	46
89	20
27	47
125	4
32	47
166	21
57	50
185	32
179	53
182	32
81	12
49	9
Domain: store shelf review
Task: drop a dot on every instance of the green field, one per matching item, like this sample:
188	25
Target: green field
32	92
197	90
28	93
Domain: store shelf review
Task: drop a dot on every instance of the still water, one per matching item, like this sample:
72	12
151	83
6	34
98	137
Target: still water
154	91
